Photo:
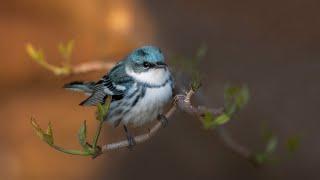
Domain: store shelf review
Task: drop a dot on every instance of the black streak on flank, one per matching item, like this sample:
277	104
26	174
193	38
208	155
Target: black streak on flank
135	101
117	112
140	96
134	93
116	97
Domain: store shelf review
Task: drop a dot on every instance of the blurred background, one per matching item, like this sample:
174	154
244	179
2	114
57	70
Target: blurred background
272	46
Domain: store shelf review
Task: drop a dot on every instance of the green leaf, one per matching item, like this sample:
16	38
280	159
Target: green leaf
49	129
31	51
45	136
37	128
196	82
48	139
82	135
102	109
49	133
235	98
100	113
269	138
271	145
66	49
207	120
221	119
36	55
229	98
293	143
261	158
69	47
231	109
242	97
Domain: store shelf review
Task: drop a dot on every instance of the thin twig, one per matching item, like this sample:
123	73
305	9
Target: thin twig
71	151
230	143
96	136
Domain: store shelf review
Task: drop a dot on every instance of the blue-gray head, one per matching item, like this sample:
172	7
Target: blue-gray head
146	64
146	58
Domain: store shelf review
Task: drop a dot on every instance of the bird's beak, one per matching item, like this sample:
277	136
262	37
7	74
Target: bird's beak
161	65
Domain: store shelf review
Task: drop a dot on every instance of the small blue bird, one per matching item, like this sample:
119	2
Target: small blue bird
140	86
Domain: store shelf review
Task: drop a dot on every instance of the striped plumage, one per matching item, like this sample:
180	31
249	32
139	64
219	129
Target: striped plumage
139	92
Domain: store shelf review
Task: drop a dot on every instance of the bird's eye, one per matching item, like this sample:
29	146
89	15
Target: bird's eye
146	64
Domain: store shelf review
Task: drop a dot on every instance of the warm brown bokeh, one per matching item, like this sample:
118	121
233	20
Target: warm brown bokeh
273	46
101	29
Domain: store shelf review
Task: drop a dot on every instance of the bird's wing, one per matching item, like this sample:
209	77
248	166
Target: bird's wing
113	84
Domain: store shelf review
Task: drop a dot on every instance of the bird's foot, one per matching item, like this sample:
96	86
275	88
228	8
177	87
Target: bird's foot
130	138
163	119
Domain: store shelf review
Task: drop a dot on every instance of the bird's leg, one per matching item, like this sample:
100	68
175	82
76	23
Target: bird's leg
163	119
130	138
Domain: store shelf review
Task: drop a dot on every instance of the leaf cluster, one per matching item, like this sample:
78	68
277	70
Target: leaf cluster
88	149
235	98
65	50
191	65
292	143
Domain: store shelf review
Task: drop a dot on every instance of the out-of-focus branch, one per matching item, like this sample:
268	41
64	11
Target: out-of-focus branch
234	146
66	69
91	66
200	111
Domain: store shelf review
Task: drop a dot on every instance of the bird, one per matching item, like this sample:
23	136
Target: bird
140	86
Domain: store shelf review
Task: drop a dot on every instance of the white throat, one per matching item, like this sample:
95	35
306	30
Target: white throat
152	76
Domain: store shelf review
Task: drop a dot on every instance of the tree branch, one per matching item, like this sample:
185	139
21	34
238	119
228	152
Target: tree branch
235	99
234	146
183	102
91	66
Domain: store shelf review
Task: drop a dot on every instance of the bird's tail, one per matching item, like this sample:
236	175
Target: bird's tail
86	87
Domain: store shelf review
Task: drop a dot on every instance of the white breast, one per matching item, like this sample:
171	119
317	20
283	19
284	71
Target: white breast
148	108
